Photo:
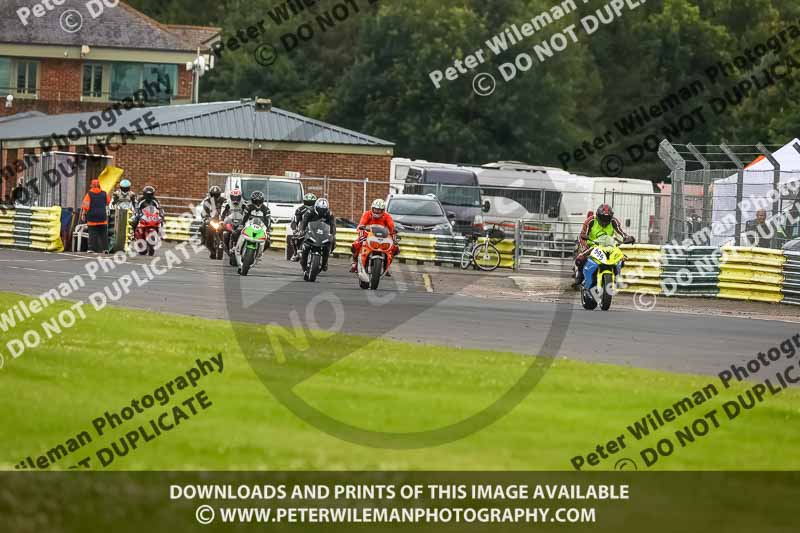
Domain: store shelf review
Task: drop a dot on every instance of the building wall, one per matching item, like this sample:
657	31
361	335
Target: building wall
182	171
61	85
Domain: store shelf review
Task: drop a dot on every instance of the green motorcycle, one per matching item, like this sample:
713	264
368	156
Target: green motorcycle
253	239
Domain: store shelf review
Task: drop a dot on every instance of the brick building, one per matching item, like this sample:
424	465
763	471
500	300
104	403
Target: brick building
46	68
175	147
67	89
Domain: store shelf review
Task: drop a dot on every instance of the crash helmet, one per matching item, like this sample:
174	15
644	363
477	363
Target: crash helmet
257	198
215	192
125	186
236	196
604	214
149	192
321	207
309	199
378	207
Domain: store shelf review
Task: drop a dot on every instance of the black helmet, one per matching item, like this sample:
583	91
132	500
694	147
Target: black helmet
604	214
149	192
215	192
257	198
309	200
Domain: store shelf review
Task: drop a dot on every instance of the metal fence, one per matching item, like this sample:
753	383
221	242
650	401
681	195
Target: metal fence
718	192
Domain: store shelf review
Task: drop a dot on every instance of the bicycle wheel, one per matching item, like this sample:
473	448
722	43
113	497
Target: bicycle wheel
466	257
486	257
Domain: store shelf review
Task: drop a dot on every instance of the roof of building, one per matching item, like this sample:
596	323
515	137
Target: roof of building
20	116
117	27
198	36
217	120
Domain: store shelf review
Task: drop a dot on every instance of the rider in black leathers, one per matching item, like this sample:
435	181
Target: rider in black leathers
321	211
308	203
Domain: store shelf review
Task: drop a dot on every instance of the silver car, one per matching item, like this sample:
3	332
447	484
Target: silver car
419	213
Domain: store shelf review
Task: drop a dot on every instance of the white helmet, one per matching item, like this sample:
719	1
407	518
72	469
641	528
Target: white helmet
321	207
378	207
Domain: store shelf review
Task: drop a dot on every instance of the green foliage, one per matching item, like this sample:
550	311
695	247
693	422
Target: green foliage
371	73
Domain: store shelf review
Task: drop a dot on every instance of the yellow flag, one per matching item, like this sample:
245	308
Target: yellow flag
109	177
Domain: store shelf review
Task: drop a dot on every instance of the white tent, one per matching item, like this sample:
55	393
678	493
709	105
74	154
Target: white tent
758	182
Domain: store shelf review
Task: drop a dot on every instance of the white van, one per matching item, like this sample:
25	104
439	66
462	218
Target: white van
514	191
283	195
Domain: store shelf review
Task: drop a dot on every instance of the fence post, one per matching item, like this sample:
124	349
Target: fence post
677	165
517	244
707	199
739	191
641	212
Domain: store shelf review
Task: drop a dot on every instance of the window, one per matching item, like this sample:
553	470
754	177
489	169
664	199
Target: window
162	77
159	80
276	192
126	79
530	199
416	207
93	80
5	75
26	77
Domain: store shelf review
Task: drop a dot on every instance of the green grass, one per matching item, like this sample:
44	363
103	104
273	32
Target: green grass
54	391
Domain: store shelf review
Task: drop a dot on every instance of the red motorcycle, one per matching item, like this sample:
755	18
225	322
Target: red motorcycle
148	229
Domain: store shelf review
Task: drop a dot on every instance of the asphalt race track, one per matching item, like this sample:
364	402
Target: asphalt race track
408	311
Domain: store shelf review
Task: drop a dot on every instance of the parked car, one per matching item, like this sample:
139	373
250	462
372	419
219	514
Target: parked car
420	213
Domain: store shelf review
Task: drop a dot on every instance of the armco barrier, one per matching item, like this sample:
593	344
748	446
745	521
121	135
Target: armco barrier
37	228
643	269
179	229
791	278
751	274
692	271
438	249
737	273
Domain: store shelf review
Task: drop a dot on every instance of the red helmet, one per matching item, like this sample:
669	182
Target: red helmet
236	196
604	214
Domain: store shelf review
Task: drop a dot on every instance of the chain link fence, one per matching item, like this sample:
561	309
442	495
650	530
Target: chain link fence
733	194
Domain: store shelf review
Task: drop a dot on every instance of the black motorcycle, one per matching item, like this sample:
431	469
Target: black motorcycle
214	238
316	248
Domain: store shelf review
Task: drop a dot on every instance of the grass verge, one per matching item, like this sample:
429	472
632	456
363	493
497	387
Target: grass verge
52	392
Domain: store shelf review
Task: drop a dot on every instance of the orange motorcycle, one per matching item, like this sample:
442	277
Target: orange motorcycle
375	256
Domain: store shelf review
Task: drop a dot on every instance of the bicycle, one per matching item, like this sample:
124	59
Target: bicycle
482	254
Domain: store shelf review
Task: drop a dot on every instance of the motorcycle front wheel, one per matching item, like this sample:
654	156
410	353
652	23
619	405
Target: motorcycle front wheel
248	259
375	272
607	287
314	267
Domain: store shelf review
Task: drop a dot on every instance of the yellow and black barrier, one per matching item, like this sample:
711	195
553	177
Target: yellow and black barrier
35	228
643	269
179	229
730	272
751	274
423	248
